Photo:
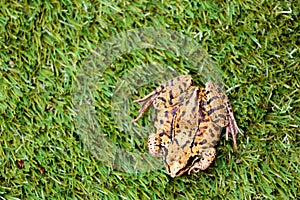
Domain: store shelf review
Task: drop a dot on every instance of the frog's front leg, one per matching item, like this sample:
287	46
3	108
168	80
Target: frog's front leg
154	145
220	111
207	156
165	95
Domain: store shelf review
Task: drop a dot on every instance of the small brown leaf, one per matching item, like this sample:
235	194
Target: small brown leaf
42	170
20	163
48	107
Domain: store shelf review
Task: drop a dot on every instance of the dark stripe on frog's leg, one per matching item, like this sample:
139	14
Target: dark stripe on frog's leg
214	109
159	103
217	129
171	94
178	85
187	102
203	127
176	141
192	93
190	134
204	141
185	144
215	142
167	84
172	82
222	120
210	100
174	111
162	99
170	90
164	151
219	90
162	134
180	89
211	132
172	125
199	134
222	116
194	109
183	113
163	91
180	99
166	113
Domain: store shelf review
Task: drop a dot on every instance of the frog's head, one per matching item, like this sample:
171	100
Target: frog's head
178	162
175	169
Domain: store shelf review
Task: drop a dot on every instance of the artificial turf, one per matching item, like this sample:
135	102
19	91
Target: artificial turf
44	46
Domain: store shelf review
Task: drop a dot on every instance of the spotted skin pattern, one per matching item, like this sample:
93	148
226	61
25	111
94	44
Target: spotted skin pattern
189	124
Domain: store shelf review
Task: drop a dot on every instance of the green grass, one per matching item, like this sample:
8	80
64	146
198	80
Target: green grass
43	46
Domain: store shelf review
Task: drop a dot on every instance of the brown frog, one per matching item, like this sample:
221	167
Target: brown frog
189	124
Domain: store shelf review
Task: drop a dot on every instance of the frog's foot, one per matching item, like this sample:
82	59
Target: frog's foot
232	126
208	156
146	102
154	145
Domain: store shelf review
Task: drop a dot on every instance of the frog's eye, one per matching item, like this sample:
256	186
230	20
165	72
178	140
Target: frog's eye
192	160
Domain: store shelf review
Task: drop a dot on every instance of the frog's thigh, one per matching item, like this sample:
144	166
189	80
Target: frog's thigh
170	90
214	104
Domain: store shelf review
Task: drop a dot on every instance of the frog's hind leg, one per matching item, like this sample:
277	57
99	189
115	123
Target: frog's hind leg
146	102
164	95
219	109
171	90
232	126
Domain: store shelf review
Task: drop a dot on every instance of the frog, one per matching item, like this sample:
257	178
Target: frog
188	124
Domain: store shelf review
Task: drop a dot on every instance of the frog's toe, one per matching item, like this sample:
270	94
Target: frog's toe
233	129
